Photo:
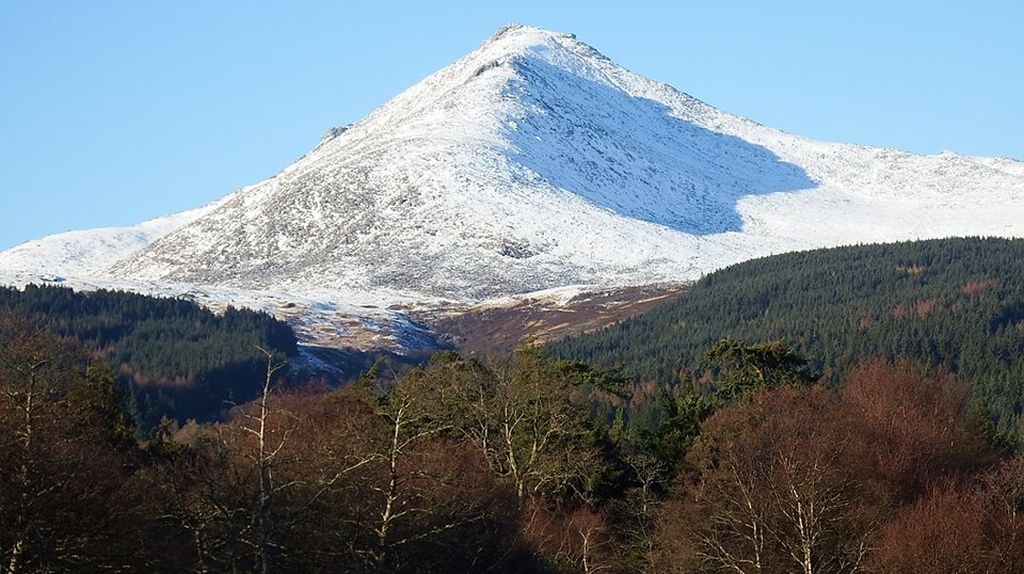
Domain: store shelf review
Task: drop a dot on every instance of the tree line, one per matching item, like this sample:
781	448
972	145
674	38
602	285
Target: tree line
509	464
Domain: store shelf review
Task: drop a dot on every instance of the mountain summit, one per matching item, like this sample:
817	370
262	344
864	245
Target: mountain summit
535	162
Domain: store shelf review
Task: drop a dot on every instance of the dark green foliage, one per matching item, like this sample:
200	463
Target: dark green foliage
679	424
173	357
956	304
738	371
743	369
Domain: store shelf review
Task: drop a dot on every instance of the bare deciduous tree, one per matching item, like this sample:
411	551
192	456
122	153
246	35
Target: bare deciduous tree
780	487
60	464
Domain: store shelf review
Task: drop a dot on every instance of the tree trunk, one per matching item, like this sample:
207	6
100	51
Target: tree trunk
18	547
266	483
391	494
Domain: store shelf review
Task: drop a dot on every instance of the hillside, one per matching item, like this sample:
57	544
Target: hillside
499	327
175	358
953	303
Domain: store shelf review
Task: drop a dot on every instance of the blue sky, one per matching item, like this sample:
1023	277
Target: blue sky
116	112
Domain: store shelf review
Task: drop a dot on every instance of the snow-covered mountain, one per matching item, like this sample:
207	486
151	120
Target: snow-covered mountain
535	163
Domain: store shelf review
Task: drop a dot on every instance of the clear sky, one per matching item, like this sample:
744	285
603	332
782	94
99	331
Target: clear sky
115	112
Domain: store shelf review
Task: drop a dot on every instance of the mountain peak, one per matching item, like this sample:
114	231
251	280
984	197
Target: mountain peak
522	33
514	40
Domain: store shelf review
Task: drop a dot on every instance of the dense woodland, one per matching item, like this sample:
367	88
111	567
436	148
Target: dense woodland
505	465
750	461
175	358
955	304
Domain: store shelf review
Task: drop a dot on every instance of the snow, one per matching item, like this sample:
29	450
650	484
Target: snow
91	252
535	164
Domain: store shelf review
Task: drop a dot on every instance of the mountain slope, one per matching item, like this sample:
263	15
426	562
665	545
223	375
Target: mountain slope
534	163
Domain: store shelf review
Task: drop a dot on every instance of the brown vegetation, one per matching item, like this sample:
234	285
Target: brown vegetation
501	466
864	480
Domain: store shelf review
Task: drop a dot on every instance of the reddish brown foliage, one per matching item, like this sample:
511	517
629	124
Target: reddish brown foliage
975	288
942	533
783	482
960	529
803	479
924	308
920	427
577	540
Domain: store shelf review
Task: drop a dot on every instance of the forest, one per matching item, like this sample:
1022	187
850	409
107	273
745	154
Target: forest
174	358
949	304
505	465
